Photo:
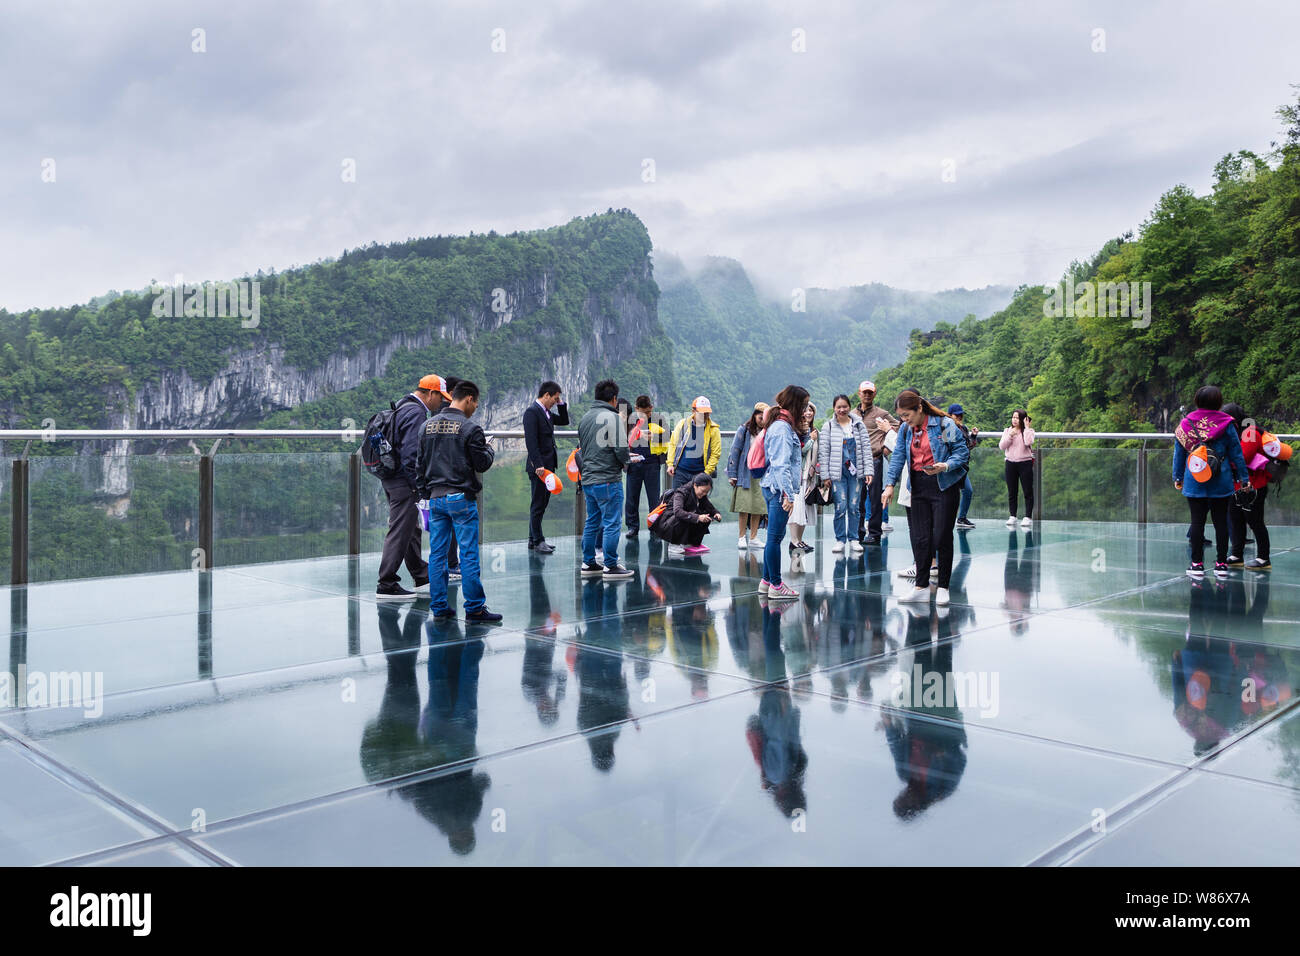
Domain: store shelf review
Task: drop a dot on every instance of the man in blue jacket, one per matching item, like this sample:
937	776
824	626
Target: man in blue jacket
540	419
402	543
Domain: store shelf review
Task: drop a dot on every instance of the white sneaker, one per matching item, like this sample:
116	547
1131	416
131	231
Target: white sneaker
742	544
886	528
676	550
1011	522
1026	522
838	547
757	545
916	596
941	597
908	572
855	547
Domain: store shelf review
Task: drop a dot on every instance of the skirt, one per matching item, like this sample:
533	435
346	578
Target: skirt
750	502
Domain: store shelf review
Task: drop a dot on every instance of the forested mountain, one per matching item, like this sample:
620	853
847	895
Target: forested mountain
1224	274
336	338
737	347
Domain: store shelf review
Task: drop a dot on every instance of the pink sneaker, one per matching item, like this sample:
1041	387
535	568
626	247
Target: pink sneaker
781	592
696	548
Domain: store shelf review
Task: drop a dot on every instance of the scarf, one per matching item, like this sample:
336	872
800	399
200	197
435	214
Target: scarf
1200	427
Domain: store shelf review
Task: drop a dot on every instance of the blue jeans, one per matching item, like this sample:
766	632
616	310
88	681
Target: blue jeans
967	492
847	488
462	516
776	521
604	512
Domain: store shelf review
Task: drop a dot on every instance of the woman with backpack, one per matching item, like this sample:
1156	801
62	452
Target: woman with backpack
1247	507
935	454
844	463
746	494
1208	465
695	446
803	514
1017	442
783	454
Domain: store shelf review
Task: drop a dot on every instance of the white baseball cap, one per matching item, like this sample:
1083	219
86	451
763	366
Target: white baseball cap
701	404
863	386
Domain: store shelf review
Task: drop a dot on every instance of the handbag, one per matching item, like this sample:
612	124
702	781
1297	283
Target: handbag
818	495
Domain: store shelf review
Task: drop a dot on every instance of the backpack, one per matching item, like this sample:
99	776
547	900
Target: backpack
657	512
379	444
756	460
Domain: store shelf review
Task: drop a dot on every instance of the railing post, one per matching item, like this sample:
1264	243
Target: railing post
1040	455
206	512
354	503
1142	484
579	513
19	532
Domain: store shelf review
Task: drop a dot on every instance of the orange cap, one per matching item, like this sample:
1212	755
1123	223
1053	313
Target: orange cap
435	383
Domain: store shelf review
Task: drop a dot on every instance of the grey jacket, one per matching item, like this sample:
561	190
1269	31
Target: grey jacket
602	436
830	458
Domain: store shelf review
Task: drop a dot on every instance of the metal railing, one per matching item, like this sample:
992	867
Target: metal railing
21	475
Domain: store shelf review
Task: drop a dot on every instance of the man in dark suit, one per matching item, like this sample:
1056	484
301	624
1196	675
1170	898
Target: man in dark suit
540	419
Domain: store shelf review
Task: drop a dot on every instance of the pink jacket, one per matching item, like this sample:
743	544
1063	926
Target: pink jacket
1018	445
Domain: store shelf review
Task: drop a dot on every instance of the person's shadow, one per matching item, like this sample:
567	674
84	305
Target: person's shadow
1225	677
404	740
925	731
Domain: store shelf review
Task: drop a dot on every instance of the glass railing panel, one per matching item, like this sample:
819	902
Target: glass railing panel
94	514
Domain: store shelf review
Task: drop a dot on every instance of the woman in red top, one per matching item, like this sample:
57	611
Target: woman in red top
1239	517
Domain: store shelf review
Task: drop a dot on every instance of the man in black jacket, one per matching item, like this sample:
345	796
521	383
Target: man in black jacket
540	419
402	543
453	451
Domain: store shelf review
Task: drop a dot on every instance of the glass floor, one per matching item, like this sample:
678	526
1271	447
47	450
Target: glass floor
1081	702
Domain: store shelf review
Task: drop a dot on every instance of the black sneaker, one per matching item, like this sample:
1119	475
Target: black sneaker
483	616
1196	569
591	570
1235	562
394	592
632	532
872	539
1220	569
446	614
453	577
544	547
617	572
965	524
1259	564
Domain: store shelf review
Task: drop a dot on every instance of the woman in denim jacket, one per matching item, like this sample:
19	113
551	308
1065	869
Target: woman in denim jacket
934	450
780	484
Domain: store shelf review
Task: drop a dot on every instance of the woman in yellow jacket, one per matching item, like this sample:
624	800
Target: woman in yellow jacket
695	445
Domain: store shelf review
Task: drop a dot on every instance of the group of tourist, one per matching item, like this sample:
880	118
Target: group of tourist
780	468
1223	465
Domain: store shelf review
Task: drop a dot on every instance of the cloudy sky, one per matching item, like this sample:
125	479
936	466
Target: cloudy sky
808	140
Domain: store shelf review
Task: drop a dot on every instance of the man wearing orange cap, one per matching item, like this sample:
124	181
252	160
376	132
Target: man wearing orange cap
402	543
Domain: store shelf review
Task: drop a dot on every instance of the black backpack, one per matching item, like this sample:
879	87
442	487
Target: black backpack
379	444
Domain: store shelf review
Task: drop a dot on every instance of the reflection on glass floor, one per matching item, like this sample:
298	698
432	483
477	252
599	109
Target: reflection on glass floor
1081	701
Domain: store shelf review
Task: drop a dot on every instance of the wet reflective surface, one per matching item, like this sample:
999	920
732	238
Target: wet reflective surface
1080	702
